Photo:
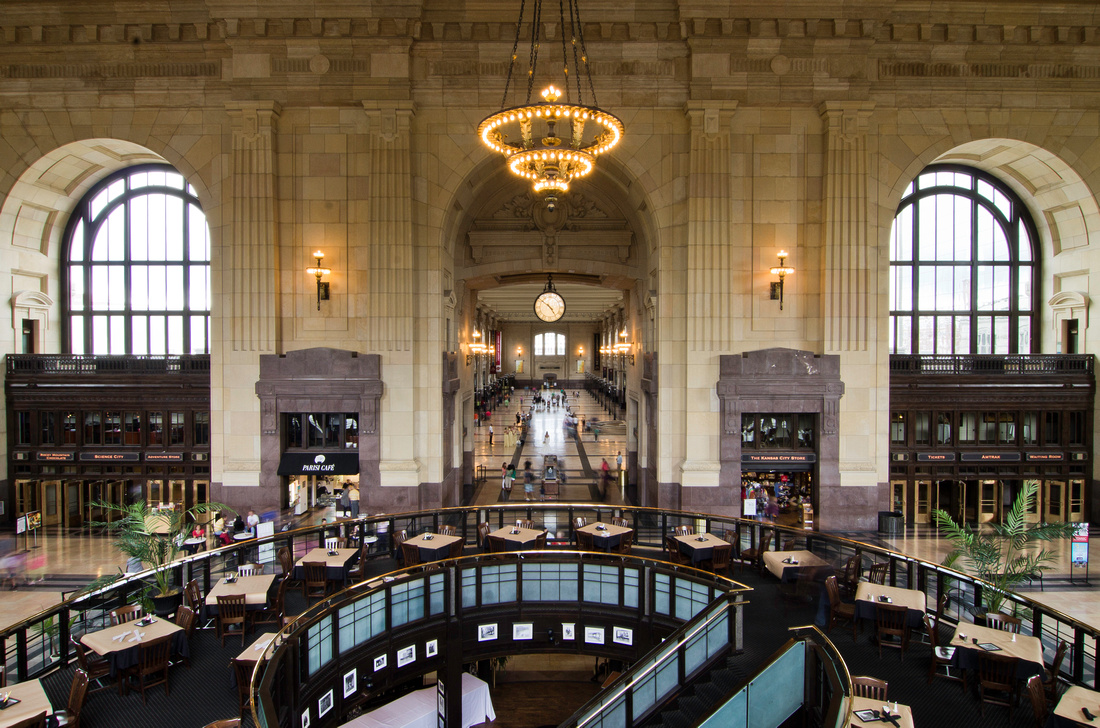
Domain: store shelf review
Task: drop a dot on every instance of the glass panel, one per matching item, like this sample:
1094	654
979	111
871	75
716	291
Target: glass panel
943	334
173	228
1000	335
157	232
1023	346
943	429
926	228
904	335
986	226
198	241
925	335
139	335
901	236
139	229
1024	252
1002	298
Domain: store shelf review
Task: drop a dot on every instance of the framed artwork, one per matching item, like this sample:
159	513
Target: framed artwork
519	366
523	631
324	705
379	663
406	655
593	635
567	631
305	718
486	632
350	682
623	636
431	649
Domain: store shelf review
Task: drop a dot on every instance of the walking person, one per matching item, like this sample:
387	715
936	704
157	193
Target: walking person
490	435
353	498
528	480
505	486
605	478
619	461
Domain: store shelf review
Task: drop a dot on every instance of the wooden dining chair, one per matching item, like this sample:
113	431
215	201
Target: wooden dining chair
525	523
878	573
94	665
838	610
1051	680
192	596
672	550
185	620
720	558
619	521
540	541
585	541
456	549
315	583
125	614
755	556
579	522
941	656
448	531
864	686
34	721
483	535
274	613
250	569
152	665
242	671
399	539
997	683
286	561
78	690
1038	698
411	554
892	627
497	544
1003	622
232	611
936	618
849	582
333	543
681	530
626	542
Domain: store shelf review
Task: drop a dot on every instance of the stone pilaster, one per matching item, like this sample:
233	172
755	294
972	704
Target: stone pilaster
710	318
389	244
849	276
250	260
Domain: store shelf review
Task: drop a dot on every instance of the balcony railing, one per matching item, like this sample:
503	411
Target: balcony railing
67	365
992	364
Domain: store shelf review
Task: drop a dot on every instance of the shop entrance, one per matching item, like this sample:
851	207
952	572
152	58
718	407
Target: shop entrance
780	495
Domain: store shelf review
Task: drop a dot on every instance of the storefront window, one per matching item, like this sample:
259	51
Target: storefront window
1031	428
93	429
943	429
987	429
294	430
782	431
806	431
175	428
968	428
1052	432
922	428
748	430
351	431
156	428
1006	430
22	428
202	428
132	425
112	430
47	426
897	428
1077	428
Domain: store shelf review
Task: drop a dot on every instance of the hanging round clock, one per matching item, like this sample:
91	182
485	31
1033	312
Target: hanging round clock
549	306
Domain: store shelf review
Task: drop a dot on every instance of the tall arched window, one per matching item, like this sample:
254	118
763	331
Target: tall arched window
963	267
550	344
137	269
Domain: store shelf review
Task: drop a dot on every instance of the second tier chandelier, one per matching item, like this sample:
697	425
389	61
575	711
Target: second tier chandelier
552	142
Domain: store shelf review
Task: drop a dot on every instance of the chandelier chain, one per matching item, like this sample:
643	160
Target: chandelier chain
576	12
564	54
515	50
536	24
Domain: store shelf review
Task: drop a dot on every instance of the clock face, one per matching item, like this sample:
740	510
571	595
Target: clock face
549	306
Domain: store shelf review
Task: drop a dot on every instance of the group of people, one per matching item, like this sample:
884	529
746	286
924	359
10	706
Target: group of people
224	534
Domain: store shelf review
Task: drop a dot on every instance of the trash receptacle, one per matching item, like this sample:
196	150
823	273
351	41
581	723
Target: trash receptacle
890	522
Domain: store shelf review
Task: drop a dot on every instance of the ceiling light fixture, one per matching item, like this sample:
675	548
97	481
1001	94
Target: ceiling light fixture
527	135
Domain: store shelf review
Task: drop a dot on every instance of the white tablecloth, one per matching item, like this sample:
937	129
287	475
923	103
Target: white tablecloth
418	708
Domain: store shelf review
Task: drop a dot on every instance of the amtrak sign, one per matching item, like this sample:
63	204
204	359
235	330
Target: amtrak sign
319	463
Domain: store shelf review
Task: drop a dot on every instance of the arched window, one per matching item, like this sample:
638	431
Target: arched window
963	267
137	268
550	344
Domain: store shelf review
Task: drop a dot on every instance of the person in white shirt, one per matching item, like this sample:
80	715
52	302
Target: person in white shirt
251	522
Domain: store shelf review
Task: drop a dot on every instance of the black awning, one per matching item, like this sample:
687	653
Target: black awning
319	463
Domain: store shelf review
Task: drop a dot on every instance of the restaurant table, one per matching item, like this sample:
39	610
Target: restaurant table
256	590
193	545
1068	714
522	540
435	548
242	536
337	566
699	546
124	652
1028	649
605	536
796	565
904	713
252	653
418	709
32	701
869	596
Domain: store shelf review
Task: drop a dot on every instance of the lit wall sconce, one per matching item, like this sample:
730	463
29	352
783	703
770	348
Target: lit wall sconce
322	286
782	270
580	351
519	351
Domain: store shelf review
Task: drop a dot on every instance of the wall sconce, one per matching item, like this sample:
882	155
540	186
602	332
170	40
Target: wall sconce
782	270
322	286
580	351
519	351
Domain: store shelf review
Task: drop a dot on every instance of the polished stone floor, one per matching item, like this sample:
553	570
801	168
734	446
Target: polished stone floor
64	560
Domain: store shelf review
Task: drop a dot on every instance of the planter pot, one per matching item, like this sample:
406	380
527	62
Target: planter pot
166	605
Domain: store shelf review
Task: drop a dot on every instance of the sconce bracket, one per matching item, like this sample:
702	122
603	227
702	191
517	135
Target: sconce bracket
322	290
776	290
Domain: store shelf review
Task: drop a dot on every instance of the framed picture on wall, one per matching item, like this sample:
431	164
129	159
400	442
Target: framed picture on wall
523	631
623	636
593	635
305	718
486	632
431	649
325	704
350	682
406	655
379	663
568	631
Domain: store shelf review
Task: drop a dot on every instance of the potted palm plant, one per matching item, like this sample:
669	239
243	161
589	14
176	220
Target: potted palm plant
1007	553
154	539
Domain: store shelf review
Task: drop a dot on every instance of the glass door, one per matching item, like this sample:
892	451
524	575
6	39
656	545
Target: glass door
74	503
1054	501
989	501
51	502
1076	501
26	496
924	495
1034	514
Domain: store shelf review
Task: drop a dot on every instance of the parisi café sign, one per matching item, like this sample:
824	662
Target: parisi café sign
313	463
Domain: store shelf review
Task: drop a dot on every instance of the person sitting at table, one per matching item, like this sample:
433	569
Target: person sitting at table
219	529
252	522
198	531
238	524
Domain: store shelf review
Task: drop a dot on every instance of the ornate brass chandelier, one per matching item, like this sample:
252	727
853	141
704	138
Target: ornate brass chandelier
528	135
